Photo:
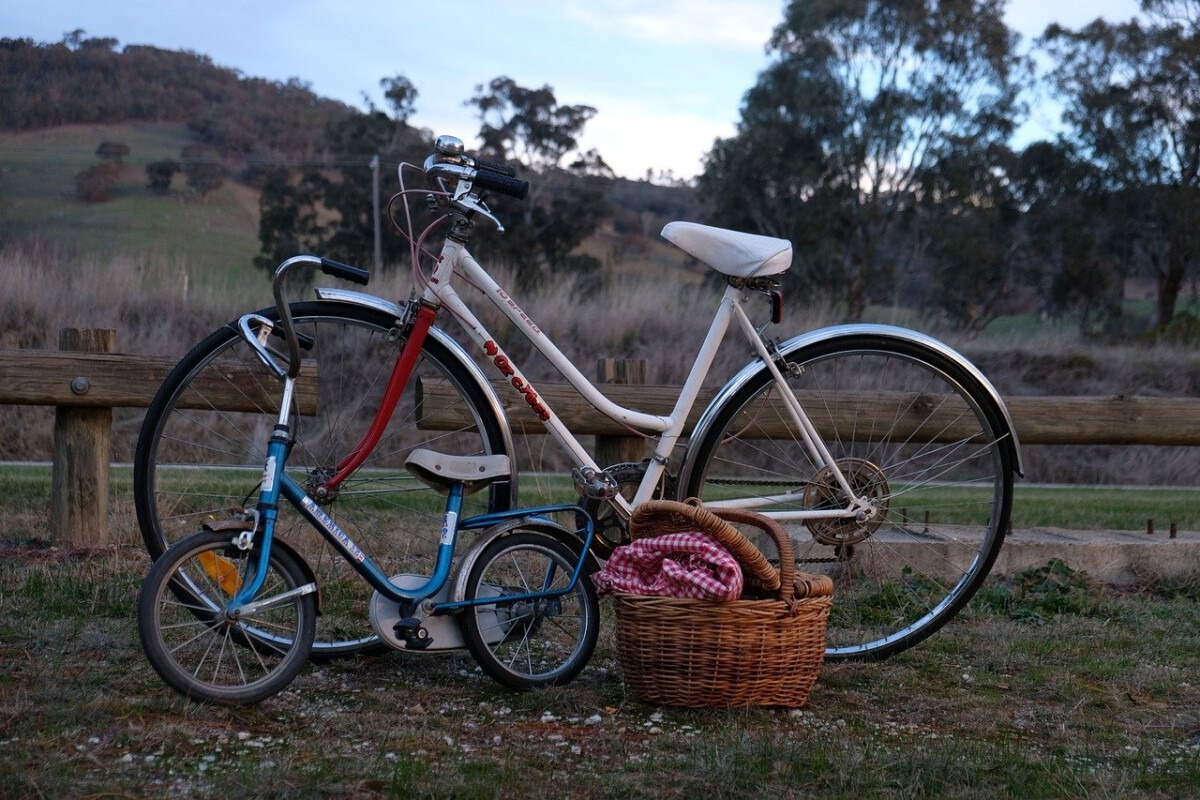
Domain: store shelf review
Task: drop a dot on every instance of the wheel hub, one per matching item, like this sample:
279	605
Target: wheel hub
823	492
315	486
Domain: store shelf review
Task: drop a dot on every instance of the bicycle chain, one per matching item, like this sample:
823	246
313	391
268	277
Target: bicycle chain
753	482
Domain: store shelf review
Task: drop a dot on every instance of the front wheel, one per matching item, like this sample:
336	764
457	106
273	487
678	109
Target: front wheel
207	654
526	639
912	431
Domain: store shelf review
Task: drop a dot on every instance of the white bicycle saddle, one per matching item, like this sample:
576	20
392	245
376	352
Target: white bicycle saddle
742	255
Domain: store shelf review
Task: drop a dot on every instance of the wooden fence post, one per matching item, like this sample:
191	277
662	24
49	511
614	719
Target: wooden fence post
82	452
616	449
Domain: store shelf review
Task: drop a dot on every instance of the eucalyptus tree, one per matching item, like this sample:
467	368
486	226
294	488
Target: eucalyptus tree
861	102
569	186
1131	93
1070	256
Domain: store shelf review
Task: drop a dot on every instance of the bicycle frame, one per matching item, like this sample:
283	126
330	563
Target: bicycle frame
277	485
440	292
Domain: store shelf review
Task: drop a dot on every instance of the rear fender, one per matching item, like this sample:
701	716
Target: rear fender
786	349
506	528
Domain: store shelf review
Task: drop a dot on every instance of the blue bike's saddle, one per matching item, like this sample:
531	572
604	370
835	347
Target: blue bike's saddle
439	471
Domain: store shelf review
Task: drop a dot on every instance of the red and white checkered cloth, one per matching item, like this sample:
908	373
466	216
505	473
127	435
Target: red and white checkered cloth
686	564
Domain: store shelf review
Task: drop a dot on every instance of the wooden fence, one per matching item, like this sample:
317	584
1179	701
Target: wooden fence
85	380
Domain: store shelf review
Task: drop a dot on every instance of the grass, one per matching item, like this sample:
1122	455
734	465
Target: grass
1097	699
1105	507
26	489
1047	686
216	237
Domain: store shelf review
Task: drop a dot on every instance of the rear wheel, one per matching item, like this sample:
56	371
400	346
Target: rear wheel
202	447
524	641
911	431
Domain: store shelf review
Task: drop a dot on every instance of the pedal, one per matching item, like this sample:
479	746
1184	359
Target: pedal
413	633
594	485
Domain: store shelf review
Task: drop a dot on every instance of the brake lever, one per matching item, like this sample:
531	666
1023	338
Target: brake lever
465	199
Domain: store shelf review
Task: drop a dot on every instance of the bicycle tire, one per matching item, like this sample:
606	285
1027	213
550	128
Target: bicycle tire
944	504
194	464
203	655
529	644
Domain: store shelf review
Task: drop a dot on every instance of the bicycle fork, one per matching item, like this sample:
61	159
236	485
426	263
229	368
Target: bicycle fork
265	515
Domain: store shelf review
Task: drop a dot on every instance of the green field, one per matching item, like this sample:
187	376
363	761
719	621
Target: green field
215	238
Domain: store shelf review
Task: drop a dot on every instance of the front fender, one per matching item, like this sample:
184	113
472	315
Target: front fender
834	333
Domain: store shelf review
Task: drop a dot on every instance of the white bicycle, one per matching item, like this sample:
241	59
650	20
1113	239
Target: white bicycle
887	455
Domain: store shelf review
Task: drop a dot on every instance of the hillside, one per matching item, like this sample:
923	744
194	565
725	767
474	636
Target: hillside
216	238
157	102
218	234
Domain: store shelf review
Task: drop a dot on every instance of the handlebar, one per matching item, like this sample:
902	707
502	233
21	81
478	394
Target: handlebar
257	338
346	272
452	161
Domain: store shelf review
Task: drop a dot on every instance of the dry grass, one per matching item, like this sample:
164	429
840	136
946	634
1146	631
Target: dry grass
658	313
1031	693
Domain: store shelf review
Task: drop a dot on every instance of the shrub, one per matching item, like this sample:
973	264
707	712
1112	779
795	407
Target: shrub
159	175
112	151
96	183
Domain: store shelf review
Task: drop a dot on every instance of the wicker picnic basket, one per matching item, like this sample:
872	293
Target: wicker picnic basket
765	649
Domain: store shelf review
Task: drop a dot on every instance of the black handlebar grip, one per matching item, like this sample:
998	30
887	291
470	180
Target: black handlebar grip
496	166
504	184
345	271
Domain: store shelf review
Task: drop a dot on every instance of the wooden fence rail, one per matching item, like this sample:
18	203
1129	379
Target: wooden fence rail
1039	420
84	387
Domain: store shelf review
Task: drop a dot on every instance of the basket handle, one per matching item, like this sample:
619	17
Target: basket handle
659	516
783	542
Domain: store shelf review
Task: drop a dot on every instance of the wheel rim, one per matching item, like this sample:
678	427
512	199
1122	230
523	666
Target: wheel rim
206	654
526	642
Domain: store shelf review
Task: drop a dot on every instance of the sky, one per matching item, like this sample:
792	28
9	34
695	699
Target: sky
666	77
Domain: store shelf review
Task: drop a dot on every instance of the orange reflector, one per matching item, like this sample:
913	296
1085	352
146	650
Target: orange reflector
221	570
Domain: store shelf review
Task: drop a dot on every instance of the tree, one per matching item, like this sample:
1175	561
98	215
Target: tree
112	151
159	175
327	207
288	221
401	95
566	202
203	168
966	226
1132	102
97	183
860	102
350	234
1072	255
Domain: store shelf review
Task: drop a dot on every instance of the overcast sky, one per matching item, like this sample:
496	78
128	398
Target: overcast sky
666	76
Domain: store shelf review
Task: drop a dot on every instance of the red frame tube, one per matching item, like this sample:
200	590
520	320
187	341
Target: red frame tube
401	372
